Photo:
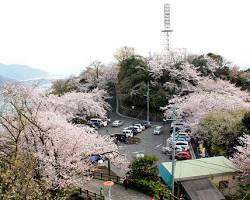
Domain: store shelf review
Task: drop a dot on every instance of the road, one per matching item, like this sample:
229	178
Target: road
150	143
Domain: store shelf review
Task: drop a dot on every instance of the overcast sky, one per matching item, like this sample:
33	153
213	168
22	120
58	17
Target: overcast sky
63	36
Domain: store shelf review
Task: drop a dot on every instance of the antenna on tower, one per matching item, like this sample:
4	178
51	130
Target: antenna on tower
167	30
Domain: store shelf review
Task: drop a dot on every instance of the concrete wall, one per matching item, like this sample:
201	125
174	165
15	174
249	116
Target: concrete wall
232	183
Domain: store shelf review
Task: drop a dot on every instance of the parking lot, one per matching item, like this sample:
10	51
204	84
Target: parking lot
150	143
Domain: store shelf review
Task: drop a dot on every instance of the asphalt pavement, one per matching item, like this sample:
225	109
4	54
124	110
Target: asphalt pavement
118	191
150	144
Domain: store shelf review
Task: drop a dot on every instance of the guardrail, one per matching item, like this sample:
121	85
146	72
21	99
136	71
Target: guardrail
107	177
88	194
117	179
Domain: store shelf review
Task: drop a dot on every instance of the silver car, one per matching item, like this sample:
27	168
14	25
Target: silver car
158	130
117	123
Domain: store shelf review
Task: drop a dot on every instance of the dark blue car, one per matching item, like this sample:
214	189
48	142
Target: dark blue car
94	125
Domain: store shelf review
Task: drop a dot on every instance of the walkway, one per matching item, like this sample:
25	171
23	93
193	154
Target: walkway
118	191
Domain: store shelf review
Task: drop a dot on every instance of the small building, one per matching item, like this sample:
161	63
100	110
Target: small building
201	189
219	170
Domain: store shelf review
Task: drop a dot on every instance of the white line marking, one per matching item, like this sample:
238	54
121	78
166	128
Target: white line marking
158	145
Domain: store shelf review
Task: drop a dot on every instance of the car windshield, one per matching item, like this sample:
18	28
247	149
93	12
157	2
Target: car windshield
157	128
181	143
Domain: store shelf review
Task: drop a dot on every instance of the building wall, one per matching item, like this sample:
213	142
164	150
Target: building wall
217	179
165	175
231	179
226	183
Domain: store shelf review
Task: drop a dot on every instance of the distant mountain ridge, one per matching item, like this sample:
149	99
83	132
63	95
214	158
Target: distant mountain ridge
21	72
4	79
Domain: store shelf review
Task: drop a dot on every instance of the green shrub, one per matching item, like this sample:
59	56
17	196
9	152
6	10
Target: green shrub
152	188
243	80
222	132
246	121
143	176
223	73
144	168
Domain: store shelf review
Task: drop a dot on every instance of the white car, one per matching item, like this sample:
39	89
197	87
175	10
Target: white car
181	145
128	133
181	134
179	139
117	123
100	121
141	126
138	128
177	124
158	130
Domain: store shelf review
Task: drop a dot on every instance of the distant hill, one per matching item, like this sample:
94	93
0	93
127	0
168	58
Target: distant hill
21	72
3	79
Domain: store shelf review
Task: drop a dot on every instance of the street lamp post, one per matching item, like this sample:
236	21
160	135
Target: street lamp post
109	184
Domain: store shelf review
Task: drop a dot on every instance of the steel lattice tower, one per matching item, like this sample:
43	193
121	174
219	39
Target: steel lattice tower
167	30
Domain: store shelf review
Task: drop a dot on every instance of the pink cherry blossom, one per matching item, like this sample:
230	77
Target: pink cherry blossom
242	159
39	124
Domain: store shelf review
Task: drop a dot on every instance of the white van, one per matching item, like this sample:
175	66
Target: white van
128	133
100	121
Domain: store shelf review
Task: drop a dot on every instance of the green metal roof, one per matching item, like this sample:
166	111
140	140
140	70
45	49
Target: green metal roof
203	167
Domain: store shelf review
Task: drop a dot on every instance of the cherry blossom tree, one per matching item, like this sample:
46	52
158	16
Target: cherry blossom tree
109	76
204	94
197	95
91	104
32	122
242	160
209	96
182	69
98	75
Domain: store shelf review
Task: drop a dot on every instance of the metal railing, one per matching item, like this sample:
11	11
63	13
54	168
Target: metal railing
107	177
88	194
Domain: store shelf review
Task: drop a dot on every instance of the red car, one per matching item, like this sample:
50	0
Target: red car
183	155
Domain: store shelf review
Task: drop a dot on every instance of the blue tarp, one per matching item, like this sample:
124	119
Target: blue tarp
95	158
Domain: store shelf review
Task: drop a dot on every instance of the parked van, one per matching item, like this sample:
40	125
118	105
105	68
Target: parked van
128	133
100	121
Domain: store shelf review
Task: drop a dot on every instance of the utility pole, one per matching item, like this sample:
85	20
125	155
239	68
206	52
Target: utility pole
173	152
148	71
148	101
